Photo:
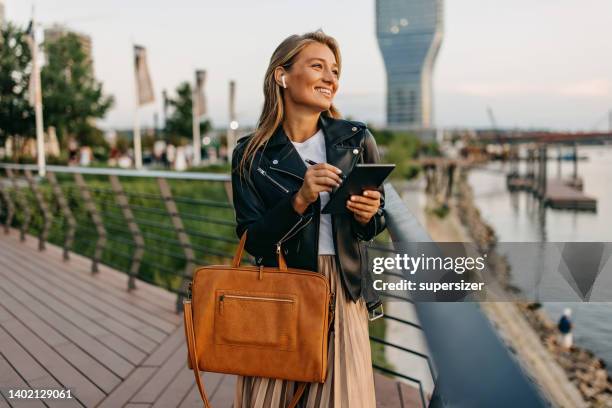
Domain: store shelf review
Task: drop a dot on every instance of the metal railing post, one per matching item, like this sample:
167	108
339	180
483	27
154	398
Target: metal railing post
65	208
166	193
91	208
44	209
123	202
21	200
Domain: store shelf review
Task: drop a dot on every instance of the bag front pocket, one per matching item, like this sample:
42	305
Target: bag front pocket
256	319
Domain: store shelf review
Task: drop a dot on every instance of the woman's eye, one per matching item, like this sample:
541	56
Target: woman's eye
336	73
318	65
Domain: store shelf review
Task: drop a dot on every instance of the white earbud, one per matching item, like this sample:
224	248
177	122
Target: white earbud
284	83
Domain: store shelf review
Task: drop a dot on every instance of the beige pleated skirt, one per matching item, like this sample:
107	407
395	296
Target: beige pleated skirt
350	380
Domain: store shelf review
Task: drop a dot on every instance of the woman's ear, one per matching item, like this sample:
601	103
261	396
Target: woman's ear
279	72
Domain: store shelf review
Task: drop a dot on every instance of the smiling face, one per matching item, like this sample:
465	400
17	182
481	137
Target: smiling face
312	79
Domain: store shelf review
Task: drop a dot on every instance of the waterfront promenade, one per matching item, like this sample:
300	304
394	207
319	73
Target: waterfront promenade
62	327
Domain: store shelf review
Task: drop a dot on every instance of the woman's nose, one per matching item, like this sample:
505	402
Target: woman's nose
329	77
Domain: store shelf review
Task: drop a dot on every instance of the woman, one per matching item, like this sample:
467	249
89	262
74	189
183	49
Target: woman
282	175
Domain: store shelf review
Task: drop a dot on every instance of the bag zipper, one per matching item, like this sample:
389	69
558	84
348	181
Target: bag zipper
276	183
222	299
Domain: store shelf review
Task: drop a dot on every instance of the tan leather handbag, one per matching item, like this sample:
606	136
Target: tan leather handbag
258	321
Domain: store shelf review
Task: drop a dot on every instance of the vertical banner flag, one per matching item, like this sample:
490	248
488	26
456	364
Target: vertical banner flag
35	96
143	79
32	83
199	93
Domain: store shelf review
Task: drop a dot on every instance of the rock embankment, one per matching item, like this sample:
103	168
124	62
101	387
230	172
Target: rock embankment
583	368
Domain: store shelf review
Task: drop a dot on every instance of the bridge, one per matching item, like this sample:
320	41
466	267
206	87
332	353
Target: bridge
93	266
521	137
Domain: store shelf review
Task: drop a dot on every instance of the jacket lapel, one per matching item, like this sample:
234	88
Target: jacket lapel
338	153
284	157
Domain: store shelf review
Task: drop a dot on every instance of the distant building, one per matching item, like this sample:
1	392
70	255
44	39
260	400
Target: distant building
1	13
409	35
57	31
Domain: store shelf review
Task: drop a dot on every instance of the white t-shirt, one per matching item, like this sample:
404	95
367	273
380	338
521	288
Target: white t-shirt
313	148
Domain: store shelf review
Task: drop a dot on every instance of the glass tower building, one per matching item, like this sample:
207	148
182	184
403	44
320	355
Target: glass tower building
409	35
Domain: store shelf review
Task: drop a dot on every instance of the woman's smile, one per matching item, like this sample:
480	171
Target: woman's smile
324	91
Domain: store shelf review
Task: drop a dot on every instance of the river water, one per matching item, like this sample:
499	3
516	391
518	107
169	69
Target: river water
514	219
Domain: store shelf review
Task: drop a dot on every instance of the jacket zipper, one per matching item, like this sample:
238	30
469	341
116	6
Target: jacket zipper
222	299
276	183
285	237
286	172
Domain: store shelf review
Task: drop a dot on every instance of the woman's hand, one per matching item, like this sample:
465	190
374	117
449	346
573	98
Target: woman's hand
364	206
319	177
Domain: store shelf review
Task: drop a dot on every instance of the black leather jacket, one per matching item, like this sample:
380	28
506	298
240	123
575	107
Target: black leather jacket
262	200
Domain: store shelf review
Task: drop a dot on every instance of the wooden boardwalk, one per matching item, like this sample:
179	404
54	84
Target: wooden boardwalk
63	328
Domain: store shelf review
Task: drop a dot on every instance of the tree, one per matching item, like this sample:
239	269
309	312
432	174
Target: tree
71	95
16	114
180	123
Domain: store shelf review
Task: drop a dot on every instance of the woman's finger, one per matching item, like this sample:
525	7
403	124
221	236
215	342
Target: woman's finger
329	167
326	181
327	173
363	207
366	200
375	194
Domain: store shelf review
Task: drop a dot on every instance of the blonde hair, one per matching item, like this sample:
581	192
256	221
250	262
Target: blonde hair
273	110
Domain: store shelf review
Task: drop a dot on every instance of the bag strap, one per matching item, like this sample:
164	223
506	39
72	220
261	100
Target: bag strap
282	264
193	356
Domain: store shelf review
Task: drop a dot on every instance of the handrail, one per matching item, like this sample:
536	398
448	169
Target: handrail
111	171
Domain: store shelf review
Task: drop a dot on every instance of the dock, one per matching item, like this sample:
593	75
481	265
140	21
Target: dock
558	193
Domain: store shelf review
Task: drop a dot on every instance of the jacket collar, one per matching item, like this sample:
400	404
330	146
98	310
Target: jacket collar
286	158
335	131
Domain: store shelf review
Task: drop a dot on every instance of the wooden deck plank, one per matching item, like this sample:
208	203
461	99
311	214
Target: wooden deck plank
89	344
122	323
225	391
387	393
30	369
410	396
86	391
23	363
137	307
177	390
34	323
126	350
96	372
163	377
10	380
124	392
107	276
4	403
166	349
193	399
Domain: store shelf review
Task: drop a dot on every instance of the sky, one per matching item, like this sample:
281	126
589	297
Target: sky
543	64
